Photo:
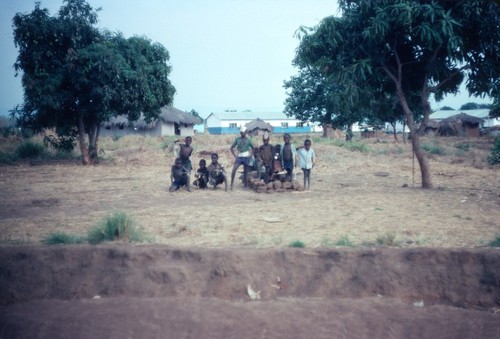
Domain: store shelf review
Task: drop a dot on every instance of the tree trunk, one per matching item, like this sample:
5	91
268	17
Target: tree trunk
93	143
415	141
81	140
330	132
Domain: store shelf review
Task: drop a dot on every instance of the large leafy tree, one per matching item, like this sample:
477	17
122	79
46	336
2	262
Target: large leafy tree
412	48
76	77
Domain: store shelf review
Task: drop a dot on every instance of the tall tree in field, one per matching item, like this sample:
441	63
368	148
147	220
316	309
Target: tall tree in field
76	77
421	47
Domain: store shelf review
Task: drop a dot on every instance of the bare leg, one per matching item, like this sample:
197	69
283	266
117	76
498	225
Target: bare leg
304	171
233	173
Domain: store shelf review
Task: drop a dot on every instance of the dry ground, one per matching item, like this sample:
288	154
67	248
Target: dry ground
433	278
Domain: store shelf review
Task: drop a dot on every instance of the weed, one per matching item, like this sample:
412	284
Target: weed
118	226
494	157
344	241
30	149
496	242
297	243
433	148
63	238
387	240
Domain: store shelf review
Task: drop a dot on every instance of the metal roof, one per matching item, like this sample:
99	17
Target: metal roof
250	115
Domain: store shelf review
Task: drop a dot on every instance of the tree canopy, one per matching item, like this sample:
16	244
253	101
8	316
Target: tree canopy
408	50
75	77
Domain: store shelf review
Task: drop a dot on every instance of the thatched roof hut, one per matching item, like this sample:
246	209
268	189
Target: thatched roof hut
258	127
460	125
172	121
432	127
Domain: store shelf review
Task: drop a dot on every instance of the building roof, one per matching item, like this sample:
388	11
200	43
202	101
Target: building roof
168	114
478	113
462	117
249	115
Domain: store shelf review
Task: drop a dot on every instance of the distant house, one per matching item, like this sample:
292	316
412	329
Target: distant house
478	113
229	122
258	127
172	121
462	125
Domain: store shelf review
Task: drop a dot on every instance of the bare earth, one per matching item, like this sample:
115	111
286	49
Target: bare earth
433	276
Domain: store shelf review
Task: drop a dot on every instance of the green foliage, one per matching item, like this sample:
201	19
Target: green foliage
61	143
297	243
464	146
118	226
344	241
63	238
30	149
495	242
433	148
75	77
494	157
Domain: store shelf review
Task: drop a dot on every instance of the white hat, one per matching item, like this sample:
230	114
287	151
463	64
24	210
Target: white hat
243	128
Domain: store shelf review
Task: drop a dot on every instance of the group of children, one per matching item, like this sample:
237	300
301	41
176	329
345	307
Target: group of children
268	161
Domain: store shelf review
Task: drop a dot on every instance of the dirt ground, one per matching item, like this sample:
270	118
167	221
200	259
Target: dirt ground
419	268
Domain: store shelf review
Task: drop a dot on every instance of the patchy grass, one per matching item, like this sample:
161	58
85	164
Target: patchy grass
344	241
495	242
63	238
115	227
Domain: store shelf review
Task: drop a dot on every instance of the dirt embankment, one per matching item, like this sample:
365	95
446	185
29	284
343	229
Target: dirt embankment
147	291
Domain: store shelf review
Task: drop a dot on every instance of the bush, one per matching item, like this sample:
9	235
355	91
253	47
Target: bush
297	243
494	157
30	149
433	148
496	242
62	238
118	226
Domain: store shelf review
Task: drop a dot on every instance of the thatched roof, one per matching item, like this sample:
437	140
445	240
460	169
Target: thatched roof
259	124
433	124
174	115
168	114
462	118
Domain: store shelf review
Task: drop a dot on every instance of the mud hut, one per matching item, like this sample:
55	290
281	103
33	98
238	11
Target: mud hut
258	127
432	127
462	125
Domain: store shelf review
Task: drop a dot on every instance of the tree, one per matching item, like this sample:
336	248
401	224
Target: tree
76	77
420	47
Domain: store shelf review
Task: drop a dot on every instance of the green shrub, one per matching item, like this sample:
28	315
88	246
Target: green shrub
63	238
297	243
433	148
494	157
496	242
387	240
118	226
344	241
30	149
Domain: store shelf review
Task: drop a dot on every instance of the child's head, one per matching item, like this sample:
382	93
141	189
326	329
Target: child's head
286	138
178	162
307	144
265	138
188	141
203	163
214	157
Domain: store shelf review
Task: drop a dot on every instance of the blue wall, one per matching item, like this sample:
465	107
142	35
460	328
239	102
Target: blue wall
276	130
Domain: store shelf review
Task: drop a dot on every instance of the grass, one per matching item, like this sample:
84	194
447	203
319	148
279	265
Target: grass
495	242
63	238
433	148
387	240
344	241
115	227
297	244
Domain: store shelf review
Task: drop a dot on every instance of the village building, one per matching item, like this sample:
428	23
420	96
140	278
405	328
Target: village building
229	122
172	121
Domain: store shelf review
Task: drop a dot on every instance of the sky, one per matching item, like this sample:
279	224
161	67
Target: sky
225	54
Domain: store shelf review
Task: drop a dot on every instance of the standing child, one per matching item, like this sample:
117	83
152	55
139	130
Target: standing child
202	175
217	174
179	176
307	158
288	155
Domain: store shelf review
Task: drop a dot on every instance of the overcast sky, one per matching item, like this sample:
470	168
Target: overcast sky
225	54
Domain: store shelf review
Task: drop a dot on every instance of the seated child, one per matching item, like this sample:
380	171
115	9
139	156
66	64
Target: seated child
179	176
202	175
217	174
